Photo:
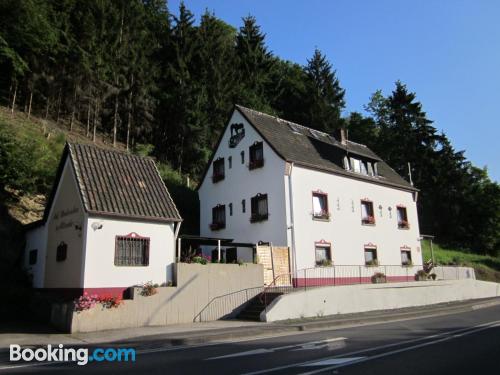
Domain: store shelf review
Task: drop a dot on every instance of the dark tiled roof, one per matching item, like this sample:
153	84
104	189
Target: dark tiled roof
314	149
116	183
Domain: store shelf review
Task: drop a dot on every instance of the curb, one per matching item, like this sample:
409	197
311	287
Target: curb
338	323
284	327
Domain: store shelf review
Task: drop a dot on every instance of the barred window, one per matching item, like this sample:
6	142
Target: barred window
259	208
131	251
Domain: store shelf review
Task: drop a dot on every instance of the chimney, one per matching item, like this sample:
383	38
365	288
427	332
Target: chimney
341	135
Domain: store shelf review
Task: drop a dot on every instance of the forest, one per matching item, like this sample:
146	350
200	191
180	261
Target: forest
133	72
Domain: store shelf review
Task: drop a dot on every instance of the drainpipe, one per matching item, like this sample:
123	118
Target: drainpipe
218	251
178	240
292	226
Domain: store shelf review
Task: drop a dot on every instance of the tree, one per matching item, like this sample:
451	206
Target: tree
325	96
254	64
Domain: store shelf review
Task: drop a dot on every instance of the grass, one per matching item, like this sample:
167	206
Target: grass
487	267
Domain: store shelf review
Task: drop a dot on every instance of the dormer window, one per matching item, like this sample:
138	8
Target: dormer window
356	165
364	167
259	208
218	170
218	217
256	156
367	216
402	218
320	205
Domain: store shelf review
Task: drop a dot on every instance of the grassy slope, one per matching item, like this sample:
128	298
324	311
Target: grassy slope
486	267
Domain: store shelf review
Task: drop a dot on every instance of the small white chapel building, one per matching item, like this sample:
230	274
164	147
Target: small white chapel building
109	224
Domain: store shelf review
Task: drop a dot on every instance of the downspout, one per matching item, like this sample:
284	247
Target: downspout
177	240
292	225
177	243
177	228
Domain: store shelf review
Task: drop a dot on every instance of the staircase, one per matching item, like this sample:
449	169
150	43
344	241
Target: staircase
256	306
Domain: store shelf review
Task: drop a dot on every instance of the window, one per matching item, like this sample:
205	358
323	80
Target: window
406	257
242	157
230	162
256	155
131	251
320	206
218	170
218	217
367	216
402	218
243	206
347	167
230	209
62	252
371	256
32	258
259	208
370	169
323	254
356	165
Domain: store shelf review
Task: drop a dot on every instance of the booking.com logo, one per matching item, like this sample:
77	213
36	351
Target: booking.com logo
61	354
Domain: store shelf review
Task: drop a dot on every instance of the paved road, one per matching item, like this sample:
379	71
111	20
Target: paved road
458	343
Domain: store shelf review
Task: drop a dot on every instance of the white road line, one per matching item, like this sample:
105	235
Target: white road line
381	355
332	361
307	345
386	346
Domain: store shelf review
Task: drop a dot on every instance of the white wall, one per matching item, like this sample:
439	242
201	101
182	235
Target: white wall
99	268
241	183
36	239
371	297
65	224
344	229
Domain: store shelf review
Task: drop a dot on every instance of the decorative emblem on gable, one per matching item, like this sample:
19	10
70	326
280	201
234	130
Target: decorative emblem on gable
237	134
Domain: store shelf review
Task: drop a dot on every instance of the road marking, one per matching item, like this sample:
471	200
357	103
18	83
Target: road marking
303	346
386	354
332	361
450	333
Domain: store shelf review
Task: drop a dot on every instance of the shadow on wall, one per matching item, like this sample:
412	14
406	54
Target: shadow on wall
169	299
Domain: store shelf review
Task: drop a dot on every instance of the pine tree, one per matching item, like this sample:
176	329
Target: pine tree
325	96
254	63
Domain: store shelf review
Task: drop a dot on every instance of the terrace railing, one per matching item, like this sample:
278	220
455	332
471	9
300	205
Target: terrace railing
337	275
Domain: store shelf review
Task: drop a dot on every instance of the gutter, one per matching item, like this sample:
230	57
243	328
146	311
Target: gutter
292	225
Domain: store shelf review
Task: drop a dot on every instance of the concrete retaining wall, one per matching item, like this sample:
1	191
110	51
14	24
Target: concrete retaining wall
360	298
206	292
453	273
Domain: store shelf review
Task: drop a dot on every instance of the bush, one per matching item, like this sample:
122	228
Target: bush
379	278
148	289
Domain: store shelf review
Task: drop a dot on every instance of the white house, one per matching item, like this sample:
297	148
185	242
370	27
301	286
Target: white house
109	223
330	201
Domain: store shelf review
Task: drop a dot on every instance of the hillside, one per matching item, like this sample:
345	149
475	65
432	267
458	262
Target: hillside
37	146
486	267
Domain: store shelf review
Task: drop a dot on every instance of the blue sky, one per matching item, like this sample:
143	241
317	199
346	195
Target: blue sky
447	51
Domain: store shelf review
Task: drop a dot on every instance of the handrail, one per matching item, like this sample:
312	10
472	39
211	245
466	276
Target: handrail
346	274
227	304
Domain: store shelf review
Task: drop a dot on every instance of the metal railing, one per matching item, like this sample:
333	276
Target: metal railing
227	305
337	275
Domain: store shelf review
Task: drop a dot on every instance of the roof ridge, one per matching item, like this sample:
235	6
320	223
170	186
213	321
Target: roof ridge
356	143
280	119
100	148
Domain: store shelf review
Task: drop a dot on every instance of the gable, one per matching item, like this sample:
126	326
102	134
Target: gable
237	135
115	183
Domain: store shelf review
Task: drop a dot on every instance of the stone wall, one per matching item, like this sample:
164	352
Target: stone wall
203	292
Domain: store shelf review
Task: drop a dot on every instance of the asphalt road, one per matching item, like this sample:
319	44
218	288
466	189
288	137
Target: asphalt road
450	344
